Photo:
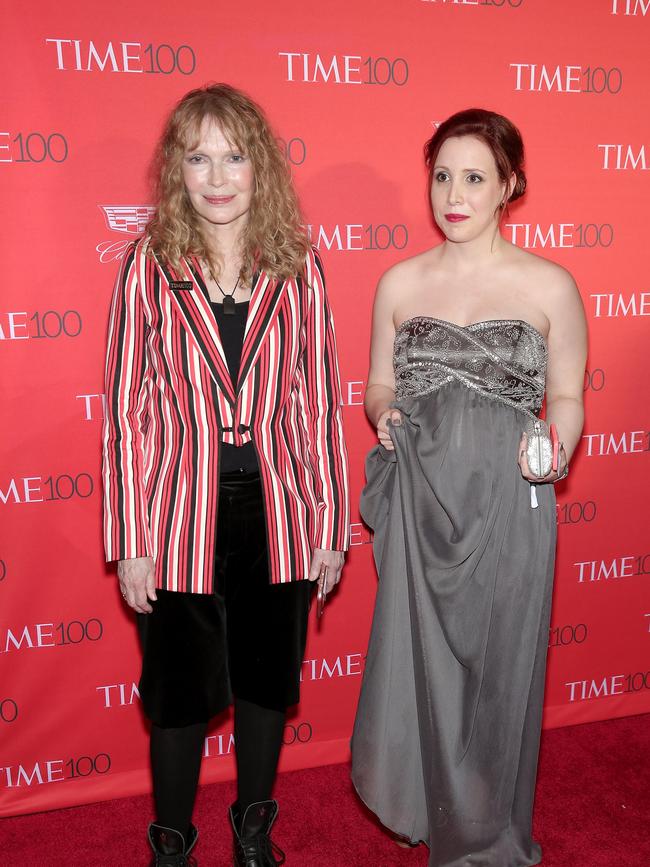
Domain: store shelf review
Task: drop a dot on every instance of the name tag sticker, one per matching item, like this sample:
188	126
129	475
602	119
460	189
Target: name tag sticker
181	285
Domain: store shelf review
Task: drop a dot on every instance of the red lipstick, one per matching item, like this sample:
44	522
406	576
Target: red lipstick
456	218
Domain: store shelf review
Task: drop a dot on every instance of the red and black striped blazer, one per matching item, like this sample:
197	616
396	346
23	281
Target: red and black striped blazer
171	403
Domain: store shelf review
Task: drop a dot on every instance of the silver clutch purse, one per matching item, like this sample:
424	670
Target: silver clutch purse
539	452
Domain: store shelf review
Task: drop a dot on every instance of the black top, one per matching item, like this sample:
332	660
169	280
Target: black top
231	329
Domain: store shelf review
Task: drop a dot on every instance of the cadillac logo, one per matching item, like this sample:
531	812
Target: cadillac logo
131	219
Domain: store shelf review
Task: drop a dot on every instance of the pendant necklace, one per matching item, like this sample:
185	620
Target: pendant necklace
228	303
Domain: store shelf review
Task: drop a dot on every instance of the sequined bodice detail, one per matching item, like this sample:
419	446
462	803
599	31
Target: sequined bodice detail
501	358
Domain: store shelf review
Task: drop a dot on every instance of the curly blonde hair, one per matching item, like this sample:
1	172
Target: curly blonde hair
274	238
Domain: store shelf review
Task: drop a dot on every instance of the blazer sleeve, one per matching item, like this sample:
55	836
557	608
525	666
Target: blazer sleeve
322	405
126	529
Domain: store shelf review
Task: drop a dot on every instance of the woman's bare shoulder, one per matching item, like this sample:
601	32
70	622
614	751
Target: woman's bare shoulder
550	286
542	272
407	272
543	278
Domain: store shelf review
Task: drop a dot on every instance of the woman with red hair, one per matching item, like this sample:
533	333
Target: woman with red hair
468	339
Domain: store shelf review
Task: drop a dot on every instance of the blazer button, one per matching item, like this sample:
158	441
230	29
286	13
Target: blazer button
242	428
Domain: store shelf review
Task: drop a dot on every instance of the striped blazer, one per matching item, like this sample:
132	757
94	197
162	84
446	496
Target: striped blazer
171	403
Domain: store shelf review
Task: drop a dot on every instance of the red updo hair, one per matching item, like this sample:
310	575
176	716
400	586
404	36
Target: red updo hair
496	131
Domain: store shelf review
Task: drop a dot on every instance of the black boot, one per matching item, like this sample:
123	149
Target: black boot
253	846
169	846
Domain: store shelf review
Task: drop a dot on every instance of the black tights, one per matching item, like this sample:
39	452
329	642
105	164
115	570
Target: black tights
176	760
258	740
175	764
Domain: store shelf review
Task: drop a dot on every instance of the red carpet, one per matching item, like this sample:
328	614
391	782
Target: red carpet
592	810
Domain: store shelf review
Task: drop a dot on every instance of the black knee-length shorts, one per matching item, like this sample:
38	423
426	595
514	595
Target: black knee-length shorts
247	639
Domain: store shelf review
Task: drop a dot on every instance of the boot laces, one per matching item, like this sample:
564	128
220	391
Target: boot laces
272	849
261	846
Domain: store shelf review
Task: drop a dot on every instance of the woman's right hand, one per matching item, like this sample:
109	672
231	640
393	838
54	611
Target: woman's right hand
137	583
395	418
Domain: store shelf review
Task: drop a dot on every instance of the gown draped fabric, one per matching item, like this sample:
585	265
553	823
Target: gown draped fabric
446	738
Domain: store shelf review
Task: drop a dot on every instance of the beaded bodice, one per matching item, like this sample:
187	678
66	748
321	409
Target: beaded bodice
501	358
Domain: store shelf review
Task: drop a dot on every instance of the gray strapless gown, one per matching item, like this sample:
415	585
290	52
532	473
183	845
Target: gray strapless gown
447	731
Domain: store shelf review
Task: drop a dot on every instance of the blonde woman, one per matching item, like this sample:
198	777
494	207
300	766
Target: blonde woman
224	462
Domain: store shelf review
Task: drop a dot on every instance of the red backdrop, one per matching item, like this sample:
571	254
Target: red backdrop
354	89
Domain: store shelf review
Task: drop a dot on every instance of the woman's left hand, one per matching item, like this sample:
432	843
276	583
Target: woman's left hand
553	476
333	560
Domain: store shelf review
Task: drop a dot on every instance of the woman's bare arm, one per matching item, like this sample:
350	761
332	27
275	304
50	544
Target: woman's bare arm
567	357
380	391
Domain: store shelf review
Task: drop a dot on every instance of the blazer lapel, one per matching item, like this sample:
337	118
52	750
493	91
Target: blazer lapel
193	304
264	305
